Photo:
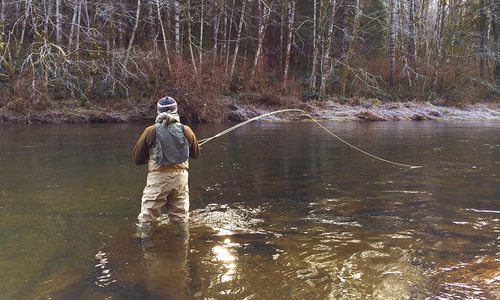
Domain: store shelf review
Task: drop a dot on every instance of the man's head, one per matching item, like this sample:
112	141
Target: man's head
166	105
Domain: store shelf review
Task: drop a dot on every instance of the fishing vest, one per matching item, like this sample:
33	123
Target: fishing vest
171	146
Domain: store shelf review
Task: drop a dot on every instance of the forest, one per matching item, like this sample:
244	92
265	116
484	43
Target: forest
125	53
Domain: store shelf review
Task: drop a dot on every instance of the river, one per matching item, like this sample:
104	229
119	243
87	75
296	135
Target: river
278	210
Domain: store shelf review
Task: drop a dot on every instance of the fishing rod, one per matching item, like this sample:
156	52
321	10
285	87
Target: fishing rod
303	112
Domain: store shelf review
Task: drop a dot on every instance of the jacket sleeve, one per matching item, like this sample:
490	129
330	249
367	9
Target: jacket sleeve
140	153
194	148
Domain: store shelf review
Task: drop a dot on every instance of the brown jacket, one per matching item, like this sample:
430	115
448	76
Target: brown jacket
141	153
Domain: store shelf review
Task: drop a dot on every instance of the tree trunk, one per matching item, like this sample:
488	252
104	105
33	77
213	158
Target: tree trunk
392	42
350	43
216	30
27	12
58	22
48	15
238	37
152	33
264	17
121	25
284	13
440	23
190	40
74	24
327	65
496	32
482	39
228	34
202	23
177	27
291	15
78	22
411	47
163	35
132	36
312	80
3	18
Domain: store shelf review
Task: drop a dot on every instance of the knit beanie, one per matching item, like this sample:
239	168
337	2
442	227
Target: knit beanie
166	105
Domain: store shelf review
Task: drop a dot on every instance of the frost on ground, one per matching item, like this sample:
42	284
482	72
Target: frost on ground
379	112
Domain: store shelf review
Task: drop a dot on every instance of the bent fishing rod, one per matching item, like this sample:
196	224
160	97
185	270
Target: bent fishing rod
304	113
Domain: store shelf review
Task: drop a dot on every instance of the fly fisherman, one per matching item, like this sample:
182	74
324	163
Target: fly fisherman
165	147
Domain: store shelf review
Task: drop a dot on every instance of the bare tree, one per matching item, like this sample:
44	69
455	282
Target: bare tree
90	46
27	12
411	44
163	35
75	24
228	27
496	30
265	12
190	36
202	23
58	22
218	12
3	18
315	45
177	26
238	37
439	36
350	44
482	39
392	42
328	65
291	16
132	36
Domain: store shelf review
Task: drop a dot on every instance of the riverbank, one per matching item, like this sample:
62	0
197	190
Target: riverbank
365	110
394	111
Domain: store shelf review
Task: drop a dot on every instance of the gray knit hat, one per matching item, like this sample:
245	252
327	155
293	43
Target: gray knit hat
166	104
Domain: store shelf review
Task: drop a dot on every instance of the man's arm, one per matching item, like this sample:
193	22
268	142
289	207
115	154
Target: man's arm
140	154
194	148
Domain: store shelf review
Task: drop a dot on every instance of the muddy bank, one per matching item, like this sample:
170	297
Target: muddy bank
76	115
236	112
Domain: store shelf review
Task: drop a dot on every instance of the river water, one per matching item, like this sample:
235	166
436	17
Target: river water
278	210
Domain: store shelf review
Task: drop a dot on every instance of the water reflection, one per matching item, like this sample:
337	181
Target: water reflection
166	264
156	267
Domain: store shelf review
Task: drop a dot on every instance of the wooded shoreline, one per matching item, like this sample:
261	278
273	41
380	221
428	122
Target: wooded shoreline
233	111
99	55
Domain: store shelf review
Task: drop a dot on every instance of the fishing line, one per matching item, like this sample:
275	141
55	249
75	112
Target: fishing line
303	112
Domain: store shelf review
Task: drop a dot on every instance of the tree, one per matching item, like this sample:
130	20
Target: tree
392	42
482	39
238	38
291	15
132	36
496	32
264	10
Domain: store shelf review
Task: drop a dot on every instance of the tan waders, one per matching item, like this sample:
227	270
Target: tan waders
169	189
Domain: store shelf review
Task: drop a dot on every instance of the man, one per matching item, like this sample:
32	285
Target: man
165	147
